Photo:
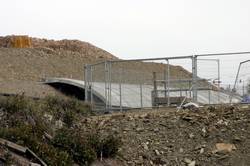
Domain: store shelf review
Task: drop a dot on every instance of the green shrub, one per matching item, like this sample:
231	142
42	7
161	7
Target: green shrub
85	148
25	124
66	109
110	146
55	104
70	141
68	118
26	135
104	146
15	104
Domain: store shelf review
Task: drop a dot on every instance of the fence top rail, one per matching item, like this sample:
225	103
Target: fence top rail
146	59
152	59
95	64
183	80
169	58
244	61
226	53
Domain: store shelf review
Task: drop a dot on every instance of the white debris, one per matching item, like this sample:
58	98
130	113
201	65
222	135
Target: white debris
190	105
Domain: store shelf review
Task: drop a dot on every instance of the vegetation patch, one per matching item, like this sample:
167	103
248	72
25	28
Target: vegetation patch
23	122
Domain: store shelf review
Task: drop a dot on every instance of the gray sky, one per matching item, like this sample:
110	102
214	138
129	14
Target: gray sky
135	28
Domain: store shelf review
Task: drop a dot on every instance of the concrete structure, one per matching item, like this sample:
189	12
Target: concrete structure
132	95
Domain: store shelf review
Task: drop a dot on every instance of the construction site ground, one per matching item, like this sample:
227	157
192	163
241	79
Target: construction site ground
210	136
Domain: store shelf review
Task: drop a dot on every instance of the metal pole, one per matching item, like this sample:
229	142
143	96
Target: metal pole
236	79
120	89
153	59
243	91
189	86
91	86
85	82
141	95
227	53
106	86
154	96
165	83
110	81
181	91
209	94
218	61
168	78
194	71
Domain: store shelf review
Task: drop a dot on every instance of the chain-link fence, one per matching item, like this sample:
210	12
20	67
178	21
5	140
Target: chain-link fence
146	83
242	81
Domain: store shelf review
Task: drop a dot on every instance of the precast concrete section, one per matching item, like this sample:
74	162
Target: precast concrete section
137	96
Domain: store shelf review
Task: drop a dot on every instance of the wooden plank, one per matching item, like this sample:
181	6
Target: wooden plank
13	145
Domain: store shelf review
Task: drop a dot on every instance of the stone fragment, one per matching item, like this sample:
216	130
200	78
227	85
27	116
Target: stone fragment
48	117
192	163
126	129
204	132
202	150
191	135
139	129
224	147
156	130
187	161
157	152
145	146
34	164
59	124
130	163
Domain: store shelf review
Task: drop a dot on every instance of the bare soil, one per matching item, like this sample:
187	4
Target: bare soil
23	67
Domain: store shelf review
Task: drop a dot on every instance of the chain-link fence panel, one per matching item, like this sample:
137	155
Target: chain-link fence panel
126	84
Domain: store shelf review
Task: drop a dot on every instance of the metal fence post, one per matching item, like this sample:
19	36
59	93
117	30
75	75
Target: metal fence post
168	78
86	82
165	82
106	86
209	94
91	86
120	89
236	79
110	82
154	92
141	95
218	61
194	78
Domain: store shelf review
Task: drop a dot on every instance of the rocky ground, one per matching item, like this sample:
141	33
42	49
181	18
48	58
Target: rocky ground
211	136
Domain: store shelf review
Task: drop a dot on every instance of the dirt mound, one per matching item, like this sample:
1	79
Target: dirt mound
81	47
33	64
84	48
32	59
210	136
25	59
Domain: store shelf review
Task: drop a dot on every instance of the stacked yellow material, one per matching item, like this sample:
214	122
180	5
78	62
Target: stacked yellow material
20	42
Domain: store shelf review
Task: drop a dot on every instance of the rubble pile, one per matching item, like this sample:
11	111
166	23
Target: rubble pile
24	41
208	136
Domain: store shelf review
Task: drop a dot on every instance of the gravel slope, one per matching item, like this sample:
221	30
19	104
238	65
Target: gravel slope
167	137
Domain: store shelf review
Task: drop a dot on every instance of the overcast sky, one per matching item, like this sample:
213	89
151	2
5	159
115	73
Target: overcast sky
135	28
